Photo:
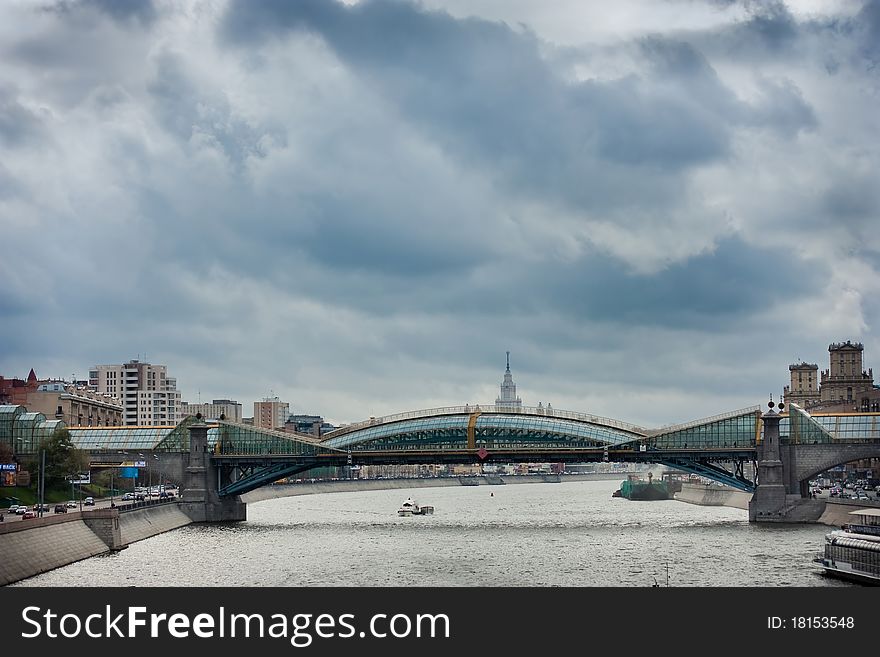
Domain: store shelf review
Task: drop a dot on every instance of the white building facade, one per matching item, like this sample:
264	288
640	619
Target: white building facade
229	409
149	396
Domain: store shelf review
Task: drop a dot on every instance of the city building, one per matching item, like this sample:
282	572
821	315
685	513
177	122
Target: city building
271	413
149	396
229	409
76	405
508	398
60	400
308	424
844	386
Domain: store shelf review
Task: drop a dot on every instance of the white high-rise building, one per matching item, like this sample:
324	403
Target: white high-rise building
508	398
149	396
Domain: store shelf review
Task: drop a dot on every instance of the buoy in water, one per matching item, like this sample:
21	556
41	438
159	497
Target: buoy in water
491	494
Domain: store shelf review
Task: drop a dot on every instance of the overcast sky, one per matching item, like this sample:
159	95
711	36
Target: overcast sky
656	207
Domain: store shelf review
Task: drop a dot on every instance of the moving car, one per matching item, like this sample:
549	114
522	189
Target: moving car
89	501
60	508
28	514
71	504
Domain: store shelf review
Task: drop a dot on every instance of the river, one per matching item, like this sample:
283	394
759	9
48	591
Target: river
542	534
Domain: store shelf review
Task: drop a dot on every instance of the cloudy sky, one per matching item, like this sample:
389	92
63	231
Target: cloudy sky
656	207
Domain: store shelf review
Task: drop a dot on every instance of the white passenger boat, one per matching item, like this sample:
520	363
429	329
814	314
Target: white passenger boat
853	552
410	508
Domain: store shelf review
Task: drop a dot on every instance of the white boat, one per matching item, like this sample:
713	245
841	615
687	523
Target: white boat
853	552
410	508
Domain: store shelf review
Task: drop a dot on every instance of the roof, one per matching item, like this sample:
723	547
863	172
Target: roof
866	512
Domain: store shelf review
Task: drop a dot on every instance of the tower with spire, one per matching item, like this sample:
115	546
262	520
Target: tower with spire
508	398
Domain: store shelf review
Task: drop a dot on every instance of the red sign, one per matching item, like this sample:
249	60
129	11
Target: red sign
482	453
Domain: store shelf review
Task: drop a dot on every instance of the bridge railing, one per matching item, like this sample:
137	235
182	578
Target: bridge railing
467	409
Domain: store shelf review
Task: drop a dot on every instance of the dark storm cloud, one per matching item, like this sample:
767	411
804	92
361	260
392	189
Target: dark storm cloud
713	290
483	92
867	26
346	199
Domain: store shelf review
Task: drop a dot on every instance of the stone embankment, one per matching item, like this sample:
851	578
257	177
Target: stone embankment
830	512
34	546
711	495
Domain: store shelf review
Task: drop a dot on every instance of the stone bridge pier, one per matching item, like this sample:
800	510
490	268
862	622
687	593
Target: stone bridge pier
784	472
198	492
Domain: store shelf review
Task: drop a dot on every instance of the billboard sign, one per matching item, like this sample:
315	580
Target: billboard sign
80	479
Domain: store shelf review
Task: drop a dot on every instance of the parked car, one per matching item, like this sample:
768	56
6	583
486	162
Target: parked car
89	501
60	508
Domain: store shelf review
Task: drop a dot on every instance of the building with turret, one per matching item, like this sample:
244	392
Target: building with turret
844	386
508	398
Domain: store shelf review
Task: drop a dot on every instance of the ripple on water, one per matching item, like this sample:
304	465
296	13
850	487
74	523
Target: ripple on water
567	534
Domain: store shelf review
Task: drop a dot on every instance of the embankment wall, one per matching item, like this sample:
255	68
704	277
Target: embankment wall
34	546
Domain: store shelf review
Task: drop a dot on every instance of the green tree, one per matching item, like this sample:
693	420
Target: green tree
62	459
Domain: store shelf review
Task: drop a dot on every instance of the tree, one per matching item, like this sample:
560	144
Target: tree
62	459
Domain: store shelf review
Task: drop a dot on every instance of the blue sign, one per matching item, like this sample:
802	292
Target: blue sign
8	466
128	473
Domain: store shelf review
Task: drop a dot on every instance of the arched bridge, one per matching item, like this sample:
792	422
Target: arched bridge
221	460
249	458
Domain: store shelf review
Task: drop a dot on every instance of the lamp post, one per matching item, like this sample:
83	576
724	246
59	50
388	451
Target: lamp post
42	482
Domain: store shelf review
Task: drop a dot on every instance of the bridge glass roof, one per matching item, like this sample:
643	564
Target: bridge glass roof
736	429
244	440
849	427
512	431
168	438
803	428
490	430
23	431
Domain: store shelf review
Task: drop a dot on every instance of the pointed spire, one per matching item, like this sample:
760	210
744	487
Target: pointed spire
508	361
32	377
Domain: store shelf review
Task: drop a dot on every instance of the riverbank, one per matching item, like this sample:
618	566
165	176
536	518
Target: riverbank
831	512
34	546
312	488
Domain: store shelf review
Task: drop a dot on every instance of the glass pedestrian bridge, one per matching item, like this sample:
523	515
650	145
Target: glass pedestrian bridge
456	427
709	447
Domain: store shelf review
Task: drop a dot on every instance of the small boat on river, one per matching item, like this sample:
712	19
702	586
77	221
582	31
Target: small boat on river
411	508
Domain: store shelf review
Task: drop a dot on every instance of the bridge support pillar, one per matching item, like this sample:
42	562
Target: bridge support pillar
769	500
772	501
199	498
